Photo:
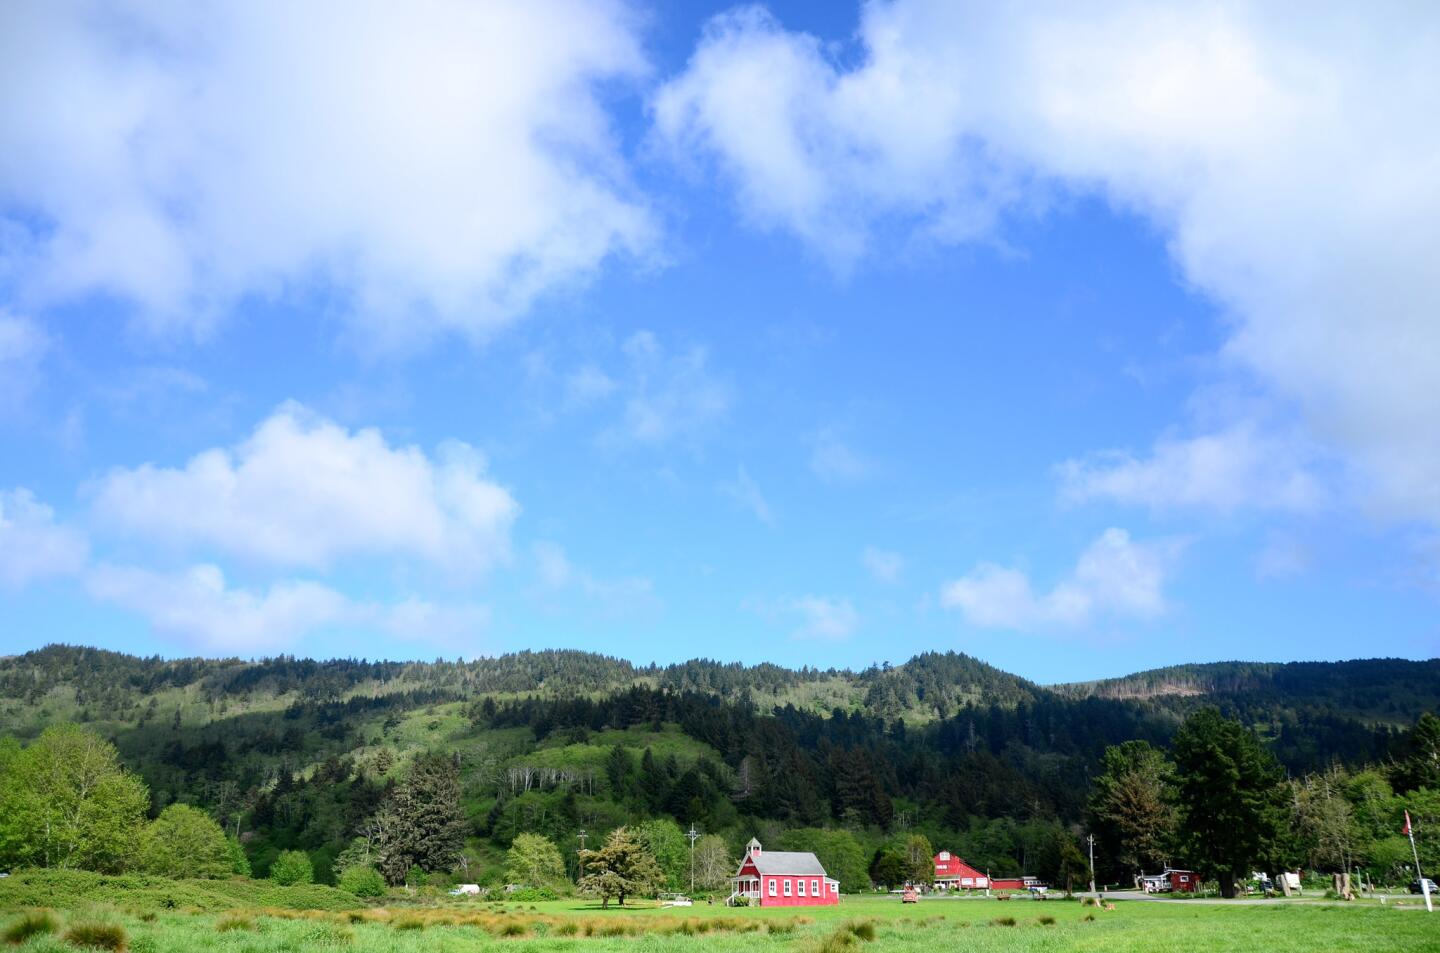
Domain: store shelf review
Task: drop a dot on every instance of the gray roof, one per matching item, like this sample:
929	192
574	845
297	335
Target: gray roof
803	864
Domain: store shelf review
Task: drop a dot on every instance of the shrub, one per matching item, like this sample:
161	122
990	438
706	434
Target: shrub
513	928
1089	918
1003	922
781	927
568	928
104	936
31	924
362	882
1046	921
292	867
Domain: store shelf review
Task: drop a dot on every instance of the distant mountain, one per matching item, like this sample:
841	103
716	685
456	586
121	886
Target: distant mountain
1388	691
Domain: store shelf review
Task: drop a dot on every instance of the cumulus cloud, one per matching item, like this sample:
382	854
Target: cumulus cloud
1291	164
431	166
1227	470
302	491
825	618
197	606
885	566
1114	577
33	545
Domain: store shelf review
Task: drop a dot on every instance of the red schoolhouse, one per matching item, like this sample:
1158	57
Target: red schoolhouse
777	878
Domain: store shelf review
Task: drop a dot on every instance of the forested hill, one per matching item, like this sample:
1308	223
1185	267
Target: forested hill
1379	690
295	753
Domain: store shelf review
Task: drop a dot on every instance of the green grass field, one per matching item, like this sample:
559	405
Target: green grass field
237	919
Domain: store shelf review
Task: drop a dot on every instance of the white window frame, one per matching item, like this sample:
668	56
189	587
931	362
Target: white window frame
787	886
801	891
772	886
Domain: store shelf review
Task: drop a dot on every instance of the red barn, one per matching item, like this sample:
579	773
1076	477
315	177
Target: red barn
951	873
777	878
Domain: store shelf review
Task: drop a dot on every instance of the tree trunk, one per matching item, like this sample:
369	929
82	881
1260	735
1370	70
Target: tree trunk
1227	884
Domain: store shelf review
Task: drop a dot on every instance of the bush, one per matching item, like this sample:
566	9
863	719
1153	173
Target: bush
531	895
31	924
1046	921
104	936
292	867
362	881
1003	922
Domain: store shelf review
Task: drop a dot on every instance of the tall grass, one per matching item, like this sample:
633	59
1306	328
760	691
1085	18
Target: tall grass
101	936
31	924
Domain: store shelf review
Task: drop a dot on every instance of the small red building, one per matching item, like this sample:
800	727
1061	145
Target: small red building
1171	880
952	873
777	878
1184	881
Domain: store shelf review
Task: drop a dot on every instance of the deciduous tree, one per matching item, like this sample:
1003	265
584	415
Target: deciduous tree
622	868
184	841
534	861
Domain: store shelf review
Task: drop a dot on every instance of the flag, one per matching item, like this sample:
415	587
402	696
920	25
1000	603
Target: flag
1406	831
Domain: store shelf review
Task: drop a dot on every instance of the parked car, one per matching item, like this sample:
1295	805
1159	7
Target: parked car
1415	886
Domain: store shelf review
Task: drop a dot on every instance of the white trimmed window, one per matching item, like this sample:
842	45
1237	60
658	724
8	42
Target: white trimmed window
787	886
772	886
802	888
814	888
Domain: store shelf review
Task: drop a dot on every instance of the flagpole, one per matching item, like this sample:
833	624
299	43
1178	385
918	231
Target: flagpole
1419	875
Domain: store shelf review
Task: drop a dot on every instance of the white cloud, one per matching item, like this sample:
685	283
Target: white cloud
745	492
834	460
1291	164
302	491
32	544
586	385
1113	577
197	606
825	618
885	566
22	346
1226	470
431	166
667	395
616	598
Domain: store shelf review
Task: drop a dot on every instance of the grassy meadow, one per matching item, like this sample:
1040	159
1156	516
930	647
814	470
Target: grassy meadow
48	914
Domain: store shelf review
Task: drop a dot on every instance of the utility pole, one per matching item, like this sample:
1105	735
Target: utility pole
580	856
692	833
1091	839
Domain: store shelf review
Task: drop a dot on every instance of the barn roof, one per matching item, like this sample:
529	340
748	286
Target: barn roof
801	864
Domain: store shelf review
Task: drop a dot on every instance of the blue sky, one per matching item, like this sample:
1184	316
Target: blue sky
1082	340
